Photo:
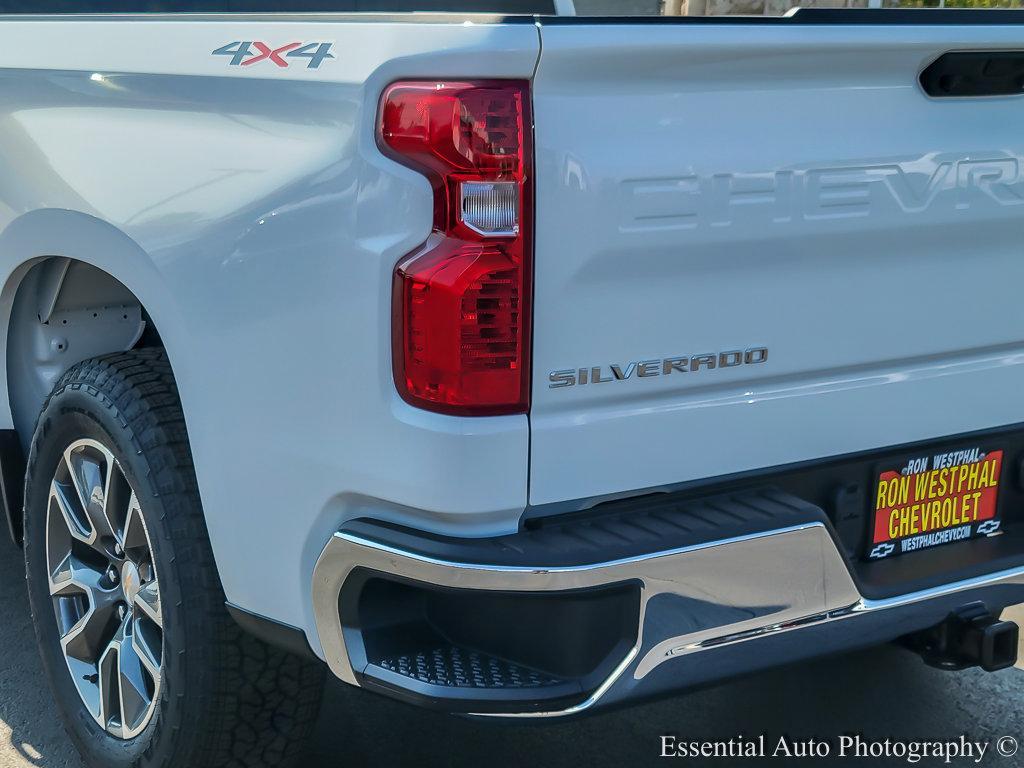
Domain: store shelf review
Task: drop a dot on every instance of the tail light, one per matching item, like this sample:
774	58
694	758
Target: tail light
461	303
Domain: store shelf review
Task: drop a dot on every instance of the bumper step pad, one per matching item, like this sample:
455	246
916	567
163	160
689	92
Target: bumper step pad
455	667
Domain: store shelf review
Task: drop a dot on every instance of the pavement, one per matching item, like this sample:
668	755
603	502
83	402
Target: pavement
882	693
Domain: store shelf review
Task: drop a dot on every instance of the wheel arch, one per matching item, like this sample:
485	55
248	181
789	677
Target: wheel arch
78	287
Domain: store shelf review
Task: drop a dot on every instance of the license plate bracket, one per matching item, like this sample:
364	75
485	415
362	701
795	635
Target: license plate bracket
931	500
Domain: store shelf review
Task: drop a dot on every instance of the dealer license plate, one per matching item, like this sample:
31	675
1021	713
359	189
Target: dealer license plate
934	500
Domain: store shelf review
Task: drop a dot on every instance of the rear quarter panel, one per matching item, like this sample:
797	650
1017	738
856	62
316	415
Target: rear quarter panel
248	208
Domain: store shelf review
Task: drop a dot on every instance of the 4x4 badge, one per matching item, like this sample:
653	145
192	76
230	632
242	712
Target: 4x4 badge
246	53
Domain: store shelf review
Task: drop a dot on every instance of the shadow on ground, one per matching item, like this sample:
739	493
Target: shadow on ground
30	733
881	693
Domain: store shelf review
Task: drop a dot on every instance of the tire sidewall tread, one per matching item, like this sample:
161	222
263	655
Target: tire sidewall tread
227	699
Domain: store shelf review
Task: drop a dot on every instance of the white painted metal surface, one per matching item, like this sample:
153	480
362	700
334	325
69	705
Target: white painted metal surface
711	188
251	212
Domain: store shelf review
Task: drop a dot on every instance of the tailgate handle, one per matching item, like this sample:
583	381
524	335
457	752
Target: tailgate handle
975	73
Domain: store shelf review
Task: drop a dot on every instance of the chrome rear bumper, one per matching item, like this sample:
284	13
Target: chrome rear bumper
724	604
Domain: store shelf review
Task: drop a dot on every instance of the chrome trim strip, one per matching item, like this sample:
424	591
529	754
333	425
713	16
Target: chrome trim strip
773	582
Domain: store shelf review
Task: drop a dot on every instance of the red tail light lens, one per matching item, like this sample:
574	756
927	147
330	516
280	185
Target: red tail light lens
461	311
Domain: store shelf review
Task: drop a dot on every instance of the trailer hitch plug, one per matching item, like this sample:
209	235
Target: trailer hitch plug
970	637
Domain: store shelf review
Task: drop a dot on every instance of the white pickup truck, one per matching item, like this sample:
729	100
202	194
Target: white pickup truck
515	365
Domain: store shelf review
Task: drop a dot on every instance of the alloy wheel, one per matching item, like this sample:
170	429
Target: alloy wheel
104	588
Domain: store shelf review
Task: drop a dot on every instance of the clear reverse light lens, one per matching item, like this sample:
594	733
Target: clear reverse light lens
491	208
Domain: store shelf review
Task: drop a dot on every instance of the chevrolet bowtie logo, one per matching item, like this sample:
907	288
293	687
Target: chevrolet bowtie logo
882	550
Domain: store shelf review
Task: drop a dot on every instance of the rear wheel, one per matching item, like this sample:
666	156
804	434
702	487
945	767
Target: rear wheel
104	588
146	666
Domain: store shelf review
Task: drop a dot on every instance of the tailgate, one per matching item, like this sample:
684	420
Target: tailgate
784	246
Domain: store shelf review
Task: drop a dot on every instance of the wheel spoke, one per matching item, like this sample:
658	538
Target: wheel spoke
107	680
66	502
85	608
148	603
142	644
84	640
131	673
134	528
73	576
117	497
89	476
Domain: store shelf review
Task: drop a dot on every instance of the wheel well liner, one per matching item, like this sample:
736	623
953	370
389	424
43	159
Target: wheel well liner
65	311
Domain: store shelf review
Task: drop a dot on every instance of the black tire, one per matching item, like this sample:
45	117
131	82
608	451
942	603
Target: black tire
225	698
